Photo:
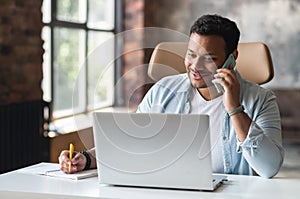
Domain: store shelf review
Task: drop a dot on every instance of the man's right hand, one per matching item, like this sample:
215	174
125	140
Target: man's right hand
78	161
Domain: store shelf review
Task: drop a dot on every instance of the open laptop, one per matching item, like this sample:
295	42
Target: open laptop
154	150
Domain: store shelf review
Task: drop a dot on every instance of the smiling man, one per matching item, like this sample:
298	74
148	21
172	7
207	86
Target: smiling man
244	119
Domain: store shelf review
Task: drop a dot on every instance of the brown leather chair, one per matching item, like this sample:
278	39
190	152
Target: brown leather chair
254	61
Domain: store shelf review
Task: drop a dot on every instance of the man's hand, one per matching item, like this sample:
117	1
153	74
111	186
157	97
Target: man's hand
231	87
78	161
231	100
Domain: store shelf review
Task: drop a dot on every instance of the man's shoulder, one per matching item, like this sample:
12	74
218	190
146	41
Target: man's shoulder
252	89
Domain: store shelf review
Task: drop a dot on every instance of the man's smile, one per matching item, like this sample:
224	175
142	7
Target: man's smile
198	75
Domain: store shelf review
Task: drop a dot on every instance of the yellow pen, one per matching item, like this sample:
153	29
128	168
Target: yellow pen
71	150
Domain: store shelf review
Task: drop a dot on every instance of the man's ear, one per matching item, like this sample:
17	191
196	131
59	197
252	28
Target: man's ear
235	53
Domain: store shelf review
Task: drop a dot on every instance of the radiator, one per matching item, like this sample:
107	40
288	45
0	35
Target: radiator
21	136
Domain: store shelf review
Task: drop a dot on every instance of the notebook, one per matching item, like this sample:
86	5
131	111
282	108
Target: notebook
73	176
154	150
53	170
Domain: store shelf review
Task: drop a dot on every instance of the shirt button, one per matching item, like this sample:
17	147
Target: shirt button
227	164
224	138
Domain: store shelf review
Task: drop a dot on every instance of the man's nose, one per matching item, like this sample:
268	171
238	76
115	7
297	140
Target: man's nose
197	64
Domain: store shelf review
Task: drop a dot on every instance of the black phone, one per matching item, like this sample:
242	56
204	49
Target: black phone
229	61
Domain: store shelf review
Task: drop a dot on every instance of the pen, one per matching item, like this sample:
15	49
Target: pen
70	156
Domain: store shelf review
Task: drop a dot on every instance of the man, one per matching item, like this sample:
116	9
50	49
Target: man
244	118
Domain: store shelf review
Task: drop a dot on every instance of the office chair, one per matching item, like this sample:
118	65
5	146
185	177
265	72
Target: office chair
254	61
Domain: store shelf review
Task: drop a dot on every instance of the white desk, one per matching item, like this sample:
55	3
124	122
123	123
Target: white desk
21	185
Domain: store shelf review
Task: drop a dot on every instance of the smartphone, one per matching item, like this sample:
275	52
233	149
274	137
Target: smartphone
229	61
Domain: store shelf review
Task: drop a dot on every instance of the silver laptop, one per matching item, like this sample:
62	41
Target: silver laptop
154	150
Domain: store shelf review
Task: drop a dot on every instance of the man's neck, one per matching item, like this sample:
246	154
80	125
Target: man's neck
209	93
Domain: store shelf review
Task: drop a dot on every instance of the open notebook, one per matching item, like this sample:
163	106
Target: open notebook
52	170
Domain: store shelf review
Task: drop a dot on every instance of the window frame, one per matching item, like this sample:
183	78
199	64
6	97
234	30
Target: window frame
118	46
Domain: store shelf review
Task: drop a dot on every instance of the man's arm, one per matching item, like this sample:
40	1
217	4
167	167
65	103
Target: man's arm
260	137
262	147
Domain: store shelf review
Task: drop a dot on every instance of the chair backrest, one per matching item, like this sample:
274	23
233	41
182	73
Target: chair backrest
254	61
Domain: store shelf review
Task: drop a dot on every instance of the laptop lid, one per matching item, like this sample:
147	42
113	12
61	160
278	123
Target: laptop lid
153	150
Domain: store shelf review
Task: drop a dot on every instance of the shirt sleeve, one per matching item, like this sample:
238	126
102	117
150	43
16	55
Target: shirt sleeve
145	105
262	147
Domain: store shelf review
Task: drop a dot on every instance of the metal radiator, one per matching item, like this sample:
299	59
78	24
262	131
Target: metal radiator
21	136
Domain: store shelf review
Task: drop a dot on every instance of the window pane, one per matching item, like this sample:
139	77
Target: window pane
46	83
100	63
69	49
71	10
101	14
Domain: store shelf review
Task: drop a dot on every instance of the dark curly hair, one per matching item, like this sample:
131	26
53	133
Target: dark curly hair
217	25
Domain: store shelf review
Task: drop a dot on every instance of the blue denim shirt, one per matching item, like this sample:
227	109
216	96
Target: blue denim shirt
260	152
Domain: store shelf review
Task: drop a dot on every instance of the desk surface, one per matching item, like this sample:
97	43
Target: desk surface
23	185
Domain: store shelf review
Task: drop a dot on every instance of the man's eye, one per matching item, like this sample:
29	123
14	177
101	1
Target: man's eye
209	59
192	55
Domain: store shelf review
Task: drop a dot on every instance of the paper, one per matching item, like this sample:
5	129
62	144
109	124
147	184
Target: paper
53	170
73	176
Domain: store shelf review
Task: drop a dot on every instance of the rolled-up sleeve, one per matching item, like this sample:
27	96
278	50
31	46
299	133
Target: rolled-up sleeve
262	147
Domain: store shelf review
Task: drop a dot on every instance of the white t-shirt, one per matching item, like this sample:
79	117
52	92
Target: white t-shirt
213	108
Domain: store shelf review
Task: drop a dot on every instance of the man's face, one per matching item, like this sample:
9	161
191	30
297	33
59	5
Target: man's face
205	54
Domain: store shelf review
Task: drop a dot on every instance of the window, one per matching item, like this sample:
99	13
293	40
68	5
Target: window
78	62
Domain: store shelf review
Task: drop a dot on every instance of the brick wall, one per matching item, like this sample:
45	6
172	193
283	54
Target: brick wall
133	57
20	51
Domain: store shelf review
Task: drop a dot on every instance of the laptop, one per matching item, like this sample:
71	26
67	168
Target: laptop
154	150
